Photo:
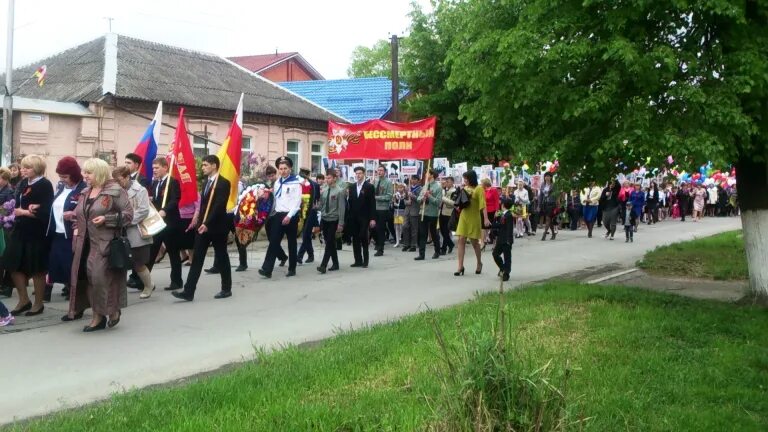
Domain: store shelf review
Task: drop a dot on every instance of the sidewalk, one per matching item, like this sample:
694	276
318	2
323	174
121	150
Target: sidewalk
49	365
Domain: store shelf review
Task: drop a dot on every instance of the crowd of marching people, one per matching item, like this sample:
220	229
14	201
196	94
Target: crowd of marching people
91	230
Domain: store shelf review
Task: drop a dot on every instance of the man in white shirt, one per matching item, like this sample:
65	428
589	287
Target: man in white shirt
285	219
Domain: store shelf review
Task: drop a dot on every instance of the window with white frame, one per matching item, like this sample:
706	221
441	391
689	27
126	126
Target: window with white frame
294	153
200	145
246	147
317	157
245	154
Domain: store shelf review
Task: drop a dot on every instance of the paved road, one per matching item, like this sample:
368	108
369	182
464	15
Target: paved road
53	365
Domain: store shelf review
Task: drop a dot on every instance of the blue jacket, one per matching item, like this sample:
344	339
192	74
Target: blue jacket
69	205
637	198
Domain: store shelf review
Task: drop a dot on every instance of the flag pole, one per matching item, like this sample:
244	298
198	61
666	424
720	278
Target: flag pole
426	184
170	176
210	199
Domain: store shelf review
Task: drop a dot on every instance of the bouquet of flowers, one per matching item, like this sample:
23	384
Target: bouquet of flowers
7	215
253	210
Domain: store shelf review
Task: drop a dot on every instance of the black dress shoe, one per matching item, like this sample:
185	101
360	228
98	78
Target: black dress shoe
100	326
357	265
450	249
172	287
241	268
379	253
133	283
22	309
282	262
310	260
37	312
333	268
77	316
419	258
212	270
223	294
436	255
182	295
290	273
412	249
322	269
265	274
365	265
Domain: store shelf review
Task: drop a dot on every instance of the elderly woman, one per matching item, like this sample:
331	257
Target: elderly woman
140	246
60	228
6	194
26	255
471	221
103	209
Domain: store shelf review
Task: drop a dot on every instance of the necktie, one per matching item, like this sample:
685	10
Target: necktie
207	187
159	187
327	201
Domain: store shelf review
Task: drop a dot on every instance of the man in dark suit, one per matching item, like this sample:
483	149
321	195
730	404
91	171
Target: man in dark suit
362	216
133	163
168	207
213	229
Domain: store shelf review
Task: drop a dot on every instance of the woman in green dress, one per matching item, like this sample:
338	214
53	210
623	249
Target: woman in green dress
471	221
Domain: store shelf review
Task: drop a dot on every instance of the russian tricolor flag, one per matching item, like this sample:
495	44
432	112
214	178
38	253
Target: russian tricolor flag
147	147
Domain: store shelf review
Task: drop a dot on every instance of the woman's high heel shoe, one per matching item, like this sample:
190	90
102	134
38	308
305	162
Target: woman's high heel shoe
77	316
116	321
100	326
479	269
459	273
21	310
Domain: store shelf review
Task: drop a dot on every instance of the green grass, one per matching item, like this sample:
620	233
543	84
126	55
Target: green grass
719	257
641	361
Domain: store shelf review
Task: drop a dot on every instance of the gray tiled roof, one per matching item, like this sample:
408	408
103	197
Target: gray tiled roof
151	71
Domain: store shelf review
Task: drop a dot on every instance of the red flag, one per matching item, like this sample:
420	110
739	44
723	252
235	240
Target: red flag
183	161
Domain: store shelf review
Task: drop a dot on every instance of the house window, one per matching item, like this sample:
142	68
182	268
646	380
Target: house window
245	148
293	153
200	145
317	157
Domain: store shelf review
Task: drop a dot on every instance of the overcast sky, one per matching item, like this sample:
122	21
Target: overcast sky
324	32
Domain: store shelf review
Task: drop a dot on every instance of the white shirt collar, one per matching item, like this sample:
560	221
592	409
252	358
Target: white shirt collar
34	180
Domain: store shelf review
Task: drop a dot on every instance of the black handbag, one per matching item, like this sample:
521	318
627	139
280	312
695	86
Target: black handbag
464	200
453	222
120	254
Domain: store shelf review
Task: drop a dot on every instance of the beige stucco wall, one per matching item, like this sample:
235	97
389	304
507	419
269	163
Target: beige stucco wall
117	133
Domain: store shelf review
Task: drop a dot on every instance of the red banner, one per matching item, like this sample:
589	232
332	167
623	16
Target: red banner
381	139
183	160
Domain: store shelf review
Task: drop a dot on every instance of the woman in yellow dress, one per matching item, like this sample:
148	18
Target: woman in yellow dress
471	221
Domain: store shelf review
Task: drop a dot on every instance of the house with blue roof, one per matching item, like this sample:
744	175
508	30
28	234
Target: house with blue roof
355	99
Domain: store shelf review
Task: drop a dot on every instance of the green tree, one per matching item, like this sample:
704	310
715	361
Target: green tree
426	74
604	82
375	61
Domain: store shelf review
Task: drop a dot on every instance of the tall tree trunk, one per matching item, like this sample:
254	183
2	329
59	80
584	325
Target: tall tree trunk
752	175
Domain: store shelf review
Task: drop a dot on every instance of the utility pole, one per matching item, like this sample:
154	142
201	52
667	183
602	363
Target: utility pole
109	19
7	149
395	80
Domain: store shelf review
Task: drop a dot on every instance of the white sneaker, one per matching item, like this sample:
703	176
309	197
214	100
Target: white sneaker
6	321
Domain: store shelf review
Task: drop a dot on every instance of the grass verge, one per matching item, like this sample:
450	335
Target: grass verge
639	360
719	257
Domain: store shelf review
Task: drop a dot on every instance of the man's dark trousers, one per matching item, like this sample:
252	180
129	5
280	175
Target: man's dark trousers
202	241
275	235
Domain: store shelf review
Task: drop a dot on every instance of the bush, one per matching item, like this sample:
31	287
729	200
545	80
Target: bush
488	383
